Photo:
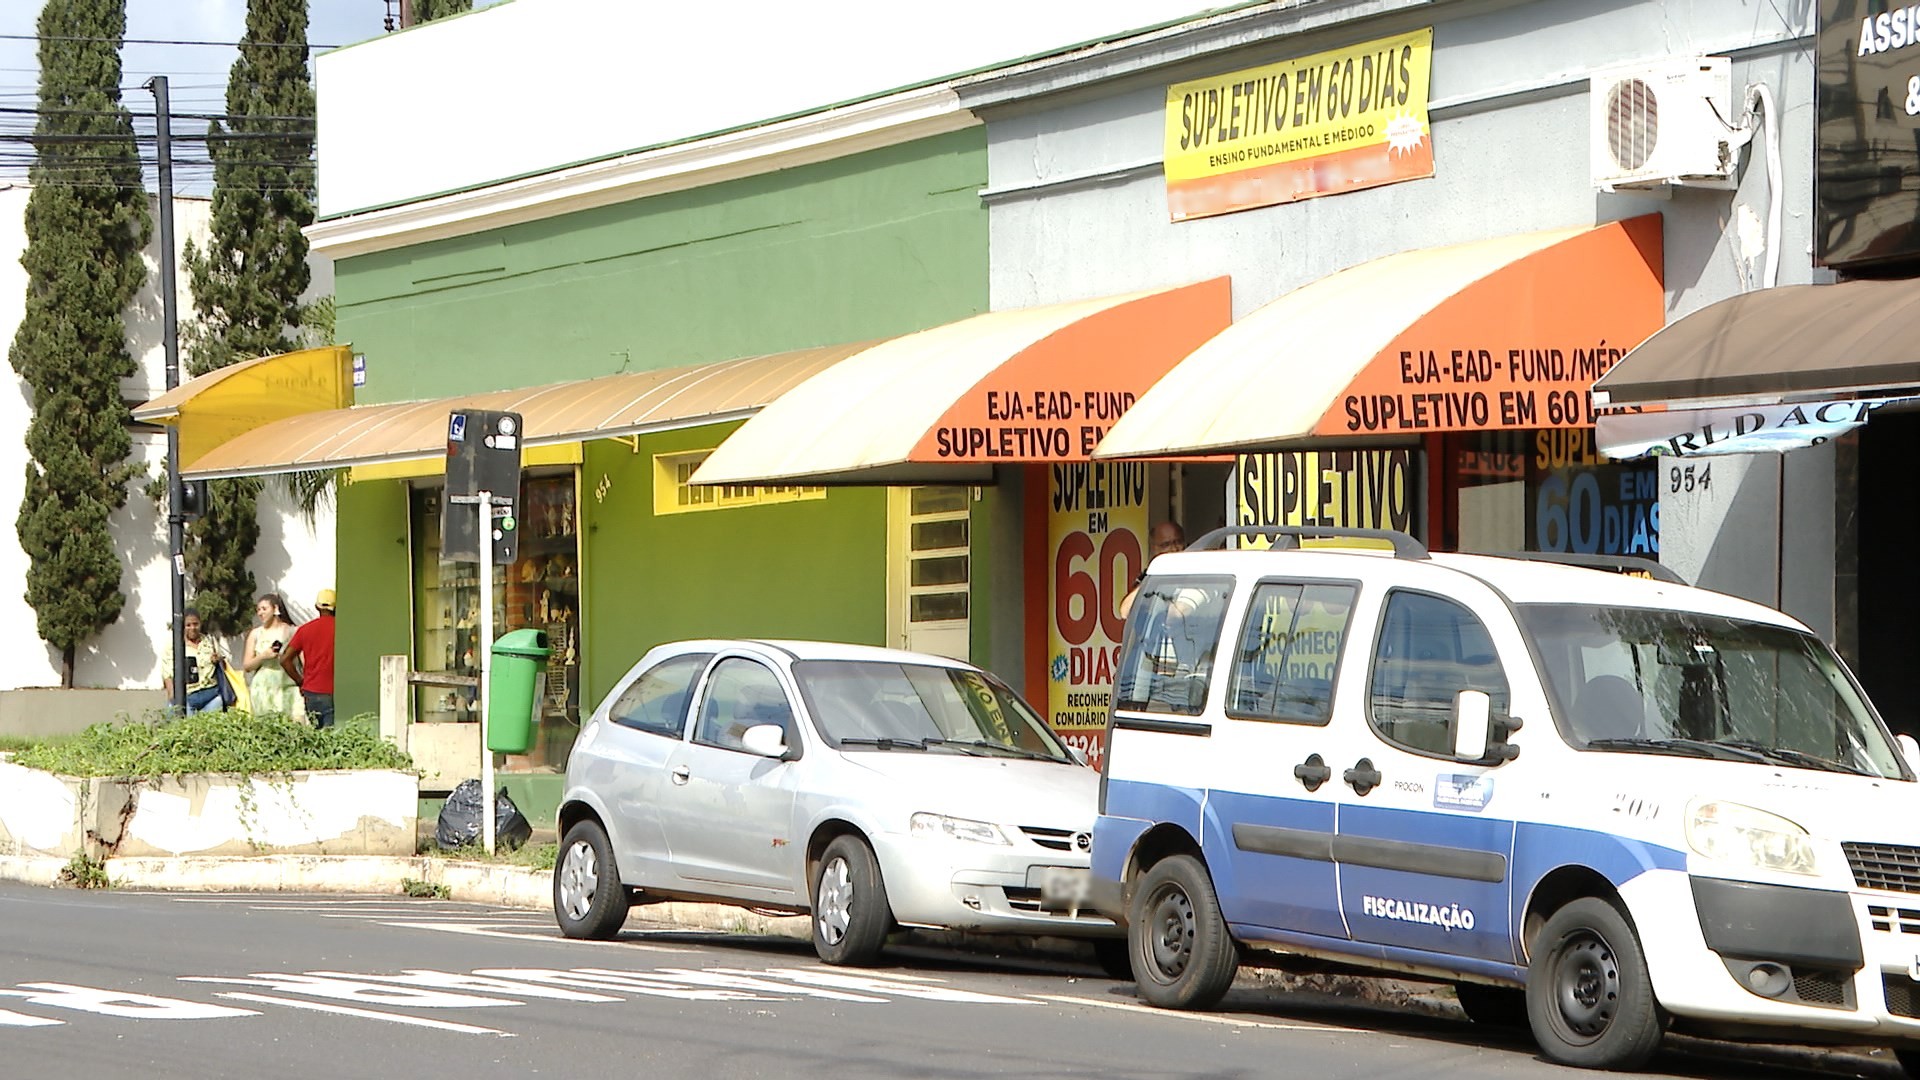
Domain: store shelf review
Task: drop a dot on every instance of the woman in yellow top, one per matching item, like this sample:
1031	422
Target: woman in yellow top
270	687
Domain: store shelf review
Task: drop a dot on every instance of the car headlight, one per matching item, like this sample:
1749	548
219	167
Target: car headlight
941	826
1731	832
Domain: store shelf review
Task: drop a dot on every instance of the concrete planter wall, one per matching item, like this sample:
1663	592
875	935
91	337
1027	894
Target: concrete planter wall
360	812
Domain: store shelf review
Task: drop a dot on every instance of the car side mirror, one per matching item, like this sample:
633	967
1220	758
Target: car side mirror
1079	756
766	740
1909	749
1472	725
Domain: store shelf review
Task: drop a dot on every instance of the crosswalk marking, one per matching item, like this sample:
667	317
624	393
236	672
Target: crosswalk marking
367	1014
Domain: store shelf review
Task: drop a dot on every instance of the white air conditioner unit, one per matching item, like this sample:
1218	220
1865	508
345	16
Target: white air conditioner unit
1664	122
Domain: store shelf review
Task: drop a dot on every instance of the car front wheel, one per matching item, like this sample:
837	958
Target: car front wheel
588	899
851	917
1589	1000
1183	957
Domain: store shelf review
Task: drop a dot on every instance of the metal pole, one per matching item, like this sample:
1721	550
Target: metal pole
170	336
483	668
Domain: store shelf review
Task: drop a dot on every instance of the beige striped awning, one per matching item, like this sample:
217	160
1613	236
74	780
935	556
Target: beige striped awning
558	413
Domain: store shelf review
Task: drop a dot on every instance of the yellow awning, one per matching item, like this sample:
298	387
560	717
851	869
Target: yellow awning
225	404
1505	333
624	404
945	405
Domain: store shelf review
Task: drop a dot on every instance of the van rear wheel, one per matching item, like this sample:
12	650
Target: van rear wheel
1183	957
1589	1000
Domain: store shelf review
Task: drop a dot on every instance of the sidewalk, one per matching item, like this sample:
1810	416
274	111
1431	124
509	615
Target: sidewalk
476	882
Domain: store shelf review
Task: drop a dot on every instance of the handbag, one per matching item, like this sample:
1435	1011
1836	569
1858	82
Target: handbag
223	678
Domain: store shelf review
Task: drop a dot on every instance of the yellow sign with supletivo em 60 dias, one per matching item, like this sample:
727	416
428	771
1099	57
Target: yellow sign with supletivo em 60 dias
1334	121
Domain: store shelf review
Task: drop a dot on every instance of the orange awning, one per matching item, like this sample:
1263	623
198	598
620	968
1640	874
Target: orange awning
233	400
1502	333
1037	384
566	412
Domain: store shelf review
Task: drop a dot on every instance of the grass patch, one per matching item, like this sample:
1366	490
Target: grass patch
425	890
15	743
82	872
532	856
216	742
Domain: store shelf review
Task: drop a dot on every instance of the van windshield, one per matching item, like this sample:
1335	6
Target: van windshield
1695	685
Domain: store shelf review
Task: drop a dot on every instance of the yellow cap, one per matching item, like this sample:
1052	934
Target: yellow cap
325	600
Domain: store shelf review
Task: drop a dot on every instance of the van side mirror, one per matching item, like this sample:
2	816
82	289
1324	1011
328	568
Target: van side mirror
767	740
1472	725
1909	749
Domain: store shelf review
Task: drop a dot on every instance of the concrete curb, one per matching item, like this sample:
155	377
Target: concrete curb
475	882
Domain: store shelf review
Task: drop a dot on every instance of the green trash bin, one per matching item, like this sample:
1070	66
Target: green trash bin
514	672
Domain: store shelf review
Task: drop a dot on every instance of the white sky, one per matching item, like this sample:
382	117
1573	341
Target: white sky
196	75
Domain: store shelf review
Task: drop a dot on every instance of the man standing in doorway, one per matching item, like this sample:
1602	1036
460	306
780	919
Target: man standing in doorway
308	656
1166	537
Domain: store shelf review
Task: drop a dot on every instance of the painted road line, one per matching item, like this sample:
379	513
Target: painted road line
482	931
1128	1006
367	1014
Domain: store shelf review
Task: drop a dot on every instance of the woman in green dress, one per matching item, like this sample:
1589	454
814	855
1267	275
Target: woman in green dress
271	688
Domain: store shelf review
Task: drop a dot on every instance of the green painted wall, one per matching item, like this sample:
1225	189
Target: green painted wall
809	569
375	587
880	243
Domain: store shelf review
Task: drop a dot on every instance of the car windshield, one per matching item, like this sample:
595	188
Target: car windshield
861	704
1696	685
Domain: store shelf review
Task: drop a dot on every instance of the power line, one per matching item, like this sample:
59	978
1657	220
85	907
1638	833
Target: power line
20	110
164	41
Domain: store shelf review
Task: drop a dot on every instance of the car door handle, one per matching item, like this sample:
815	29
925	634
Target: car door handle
1313	772
1363	776
681	774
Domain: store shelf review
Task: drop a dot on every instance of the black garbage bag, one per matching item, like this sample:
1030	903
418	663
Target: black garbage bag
463	815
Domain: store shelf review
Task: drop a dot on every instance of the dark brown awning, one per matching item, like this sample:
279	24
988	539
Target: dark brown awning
1773	346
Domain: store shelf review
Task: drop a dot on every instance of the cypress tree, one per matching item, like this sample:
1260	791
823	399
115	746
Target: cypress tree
429	10
87	224
248	281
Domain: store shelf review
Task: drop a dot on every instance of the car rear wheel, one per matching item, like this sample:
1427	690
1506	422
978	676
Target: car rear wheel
588	899
1183	957
1589	1000
851	916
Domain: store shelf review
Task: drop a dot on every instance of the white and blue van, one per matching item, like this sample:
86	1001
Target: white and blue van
1601	805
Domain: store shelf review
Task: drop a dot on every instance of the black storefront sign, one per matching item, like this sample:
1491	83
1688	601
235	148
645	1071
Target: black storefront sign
1867	137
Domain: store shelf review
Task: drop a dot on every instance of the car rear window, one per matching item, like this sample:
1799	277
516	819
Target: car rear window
657	700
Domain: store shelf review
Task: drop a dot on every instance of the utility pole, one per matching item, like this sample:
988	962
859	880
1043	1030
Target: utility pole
170	335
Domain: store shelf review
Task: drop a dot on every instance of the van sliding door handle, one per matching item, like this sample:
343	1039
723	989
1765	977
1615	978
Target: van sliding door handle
681	774
1363	776
1312	772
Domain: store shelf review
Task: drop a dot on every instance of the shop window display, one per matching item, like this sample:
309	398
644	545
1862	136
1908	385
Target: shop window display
541	590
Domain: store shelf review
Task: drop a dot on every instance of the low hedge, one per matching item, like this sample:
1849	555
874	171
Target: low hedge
216	742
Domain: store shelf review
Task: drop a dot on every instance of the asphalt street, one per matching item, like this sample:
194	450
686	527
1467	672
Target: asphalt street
119	984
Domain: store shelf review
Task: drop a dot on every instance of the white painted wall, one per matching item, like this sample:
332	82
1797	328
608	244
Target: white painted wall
293	557
530	86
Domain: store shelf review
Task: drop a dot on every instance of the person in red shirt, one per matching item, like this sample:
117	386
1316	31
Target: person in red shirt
308	657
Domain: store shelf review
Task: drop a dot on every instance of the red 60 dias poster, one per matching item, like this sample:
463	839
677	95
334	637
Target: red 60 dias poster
1096	547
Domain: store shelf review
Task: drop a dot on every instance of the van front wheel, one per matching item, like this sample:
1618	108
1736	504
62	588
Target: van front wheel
1589	1000
1183	957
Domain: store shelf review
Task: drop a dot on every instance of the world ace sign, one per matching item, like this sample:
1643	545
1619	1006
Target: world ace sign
1096	549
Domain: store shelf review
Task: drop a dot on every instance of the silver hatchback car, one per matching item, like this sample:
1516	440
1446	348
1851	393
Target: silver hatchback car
873	788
